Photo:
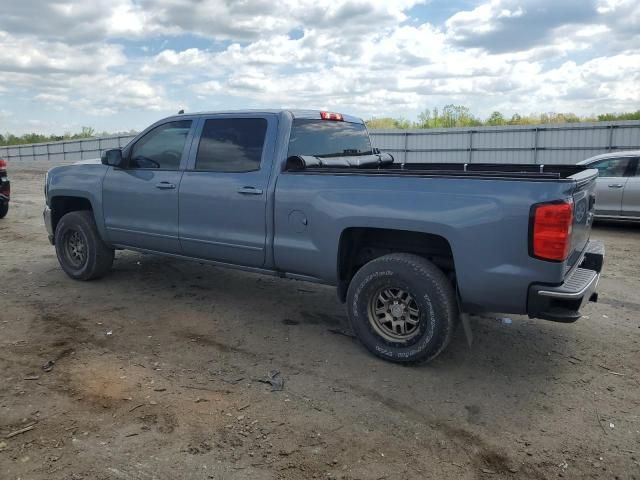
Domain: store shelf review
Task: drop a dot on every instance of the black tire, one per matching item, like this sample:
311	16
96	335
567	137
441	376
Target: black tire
430	299
81	252
4	209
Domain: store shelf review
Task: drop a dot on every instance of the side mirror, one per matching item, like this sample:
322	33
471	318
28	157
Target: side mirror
112	158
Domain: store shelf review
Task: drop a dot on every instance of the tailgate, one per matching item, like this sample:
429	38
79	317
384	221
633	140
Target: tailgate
584	197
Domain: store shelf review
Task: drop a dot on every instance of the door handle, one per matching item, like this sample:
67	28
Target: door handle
250	191
165	185
616	185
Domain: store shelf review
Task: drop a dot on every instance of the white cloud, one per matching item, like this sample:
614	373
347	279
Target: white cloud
20	54
360	56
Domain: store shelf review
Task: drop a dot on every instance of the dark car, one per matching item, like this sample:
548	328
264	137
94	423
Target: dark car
5	189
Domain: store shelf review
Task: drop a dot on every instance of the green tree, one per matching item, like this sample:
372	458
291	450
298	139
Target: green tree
608	117
495	119
388	122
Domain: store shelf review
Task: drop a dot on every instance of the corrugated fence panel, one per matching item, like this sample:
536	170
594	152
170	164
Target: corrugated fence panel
503	156
90	145
40	151
437	157
438	141
554	157
56	147
575	138
108	143
625	137
497	139
552	144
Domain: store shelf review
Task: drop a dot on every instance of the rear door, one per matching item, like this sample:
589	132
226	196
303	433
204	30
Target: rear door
631	194
612	178
223	193
140	202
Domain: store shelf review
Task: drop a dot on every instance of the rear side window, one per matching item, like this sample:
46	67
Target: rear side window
161	147
613	167
324	138
231	144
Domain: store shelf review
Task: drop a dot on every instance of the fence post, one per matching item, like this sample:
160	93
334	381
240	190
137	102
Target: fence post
610	138
406	147
535	145
470	146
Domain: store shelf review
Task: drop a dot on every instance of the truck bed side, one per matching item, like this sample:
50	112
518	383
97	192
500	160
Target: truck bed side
484	221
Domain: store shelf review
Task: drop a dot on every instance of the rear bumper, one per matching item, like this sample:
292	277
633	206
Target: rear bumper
562	303
47	223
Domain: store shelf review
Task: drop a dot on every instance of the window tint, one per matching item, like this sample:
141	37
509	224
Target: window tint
327	138
612	167
231	144
162	147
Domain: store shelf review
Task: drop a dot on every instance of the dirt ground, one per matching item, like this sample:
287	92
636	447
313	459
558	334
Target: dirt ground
159	371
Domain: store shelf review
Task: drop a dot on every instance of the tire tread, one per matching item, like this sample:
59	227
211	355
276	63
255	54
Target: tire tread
103	258
438	280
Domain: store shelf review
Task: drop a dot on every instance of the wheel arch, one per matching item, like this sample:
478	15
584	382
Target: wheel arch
359	245
65	203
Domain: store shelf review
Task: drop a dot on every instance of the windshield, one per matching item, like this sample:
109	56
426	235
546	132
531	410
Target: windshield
322	138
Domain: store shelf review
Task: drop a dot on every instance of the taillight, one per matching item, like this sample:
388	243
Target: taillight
551	230
331	116
3	164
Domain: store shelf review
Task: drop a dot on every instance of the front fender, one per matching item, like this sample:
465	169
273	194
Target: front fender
80	181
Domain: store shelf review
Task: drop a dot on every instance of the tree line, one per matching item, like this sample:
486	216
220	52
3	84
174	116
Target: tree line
9	139
460	116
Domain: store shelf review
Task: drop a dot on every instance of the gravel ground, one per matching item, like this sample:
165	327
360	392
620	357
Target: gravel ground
160	367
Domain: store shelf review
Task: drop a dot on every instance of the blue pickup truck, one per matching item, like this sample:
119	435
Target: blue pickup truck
411	248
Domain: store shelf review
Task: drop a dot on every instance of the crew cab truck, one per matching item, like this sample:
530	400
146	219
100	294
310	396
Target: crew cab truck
303	195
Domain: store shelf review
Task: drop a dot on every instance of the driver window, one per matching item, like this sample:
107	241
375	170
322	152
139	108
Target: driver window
162	147
613	167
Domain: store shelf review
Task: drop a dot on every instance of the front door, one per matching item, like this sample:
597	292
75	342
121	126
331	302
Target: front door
631	194
140	201
223	194
612	178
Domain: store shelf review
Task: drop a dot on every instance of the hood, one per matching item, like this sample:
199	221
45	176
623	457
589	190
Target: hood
92	161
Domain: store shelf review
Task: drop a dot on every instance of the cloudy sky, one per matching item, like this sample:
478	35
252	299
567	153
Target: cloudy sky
120	64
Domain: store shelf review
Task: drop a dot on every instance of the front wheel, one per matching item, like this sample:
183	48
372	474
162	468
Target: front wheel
402	308
81	252
4	209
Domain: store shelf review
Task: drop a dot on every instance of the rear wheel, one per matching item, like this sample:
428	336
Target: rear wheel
81	252
4	209
402	308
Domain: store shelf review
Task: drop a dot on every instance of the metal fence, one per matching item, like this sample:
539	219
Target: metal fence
71	150
542	144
